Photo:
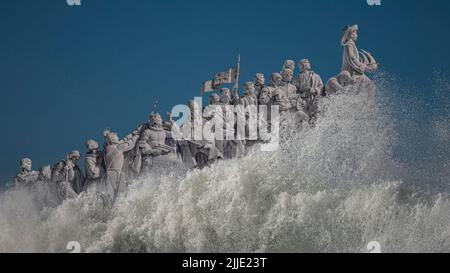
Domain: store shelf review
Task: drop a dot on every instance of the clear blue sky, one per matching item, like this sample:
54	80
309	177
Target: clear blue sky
66	72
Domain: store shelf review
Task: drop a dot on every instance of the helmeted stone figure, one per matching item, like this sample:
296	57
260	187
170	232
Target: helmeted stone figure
355	64
310	87
26	176
339	83
93	165
115	181
157	155
259	83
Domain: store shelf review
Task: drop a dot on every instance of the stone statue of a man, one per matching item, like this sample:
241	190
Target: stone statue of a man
157	155
68	177
26	175
93	165
290	89
278	93
259	82
115	181
310	87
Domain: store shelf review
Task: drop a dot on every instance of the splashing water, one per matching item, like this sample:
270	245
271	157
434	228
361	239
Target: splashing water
332	188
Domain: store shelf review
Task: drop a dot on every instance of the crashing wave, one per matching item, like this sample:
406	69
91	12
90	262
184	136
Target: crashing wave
331	188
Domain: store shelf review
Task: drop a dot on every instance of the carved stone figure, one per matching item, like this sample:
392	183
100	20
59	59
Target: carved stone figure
93	165
290	89
339	83
157	155
278	93
186	144
355	64
68	177
265	97
115	181
204	150
248	95
259	83
247	110
310	87
26	176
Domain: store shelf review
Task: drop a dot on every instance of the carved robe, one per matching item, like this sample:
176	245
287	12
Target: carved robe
115	181
94	169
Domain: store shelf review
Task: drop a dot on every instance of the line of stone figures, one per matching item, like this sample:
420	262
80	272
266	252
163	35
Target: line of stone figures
152	147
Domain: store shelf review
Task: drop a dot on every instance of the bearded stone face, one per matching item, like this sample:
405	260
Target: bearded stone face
225	96
249	88
276	79
287	75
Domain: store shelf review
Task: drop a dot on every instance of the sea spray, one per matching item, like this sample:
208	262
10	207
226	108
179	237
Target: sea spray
333	187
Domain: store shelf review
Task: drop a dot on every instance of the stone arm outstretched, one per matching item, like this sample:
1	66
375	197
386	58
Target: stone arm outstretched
128	143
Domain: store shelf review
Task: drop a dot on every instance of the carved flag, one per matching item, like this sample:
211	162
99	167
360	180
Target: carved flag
227	76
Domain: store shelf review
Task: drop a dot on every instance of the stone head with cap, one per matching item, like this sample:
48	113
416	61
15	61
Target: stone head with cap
110	137
275	79
305	65
289	64
26	164
91	145
350	33
74	156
